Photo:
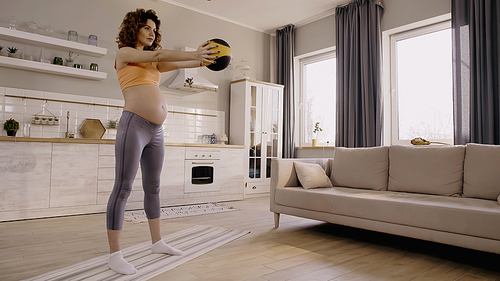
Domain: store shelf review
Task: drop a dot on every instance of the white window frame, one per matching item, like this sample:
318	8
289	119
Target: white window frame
390	104
299	63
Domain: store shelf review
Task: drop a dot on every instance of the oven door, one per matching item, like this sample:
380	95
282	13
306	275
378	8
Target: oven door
201	176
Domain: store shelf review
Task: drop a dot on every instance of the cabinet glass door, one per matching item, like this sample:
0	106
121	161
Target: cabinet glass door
272	129
255	153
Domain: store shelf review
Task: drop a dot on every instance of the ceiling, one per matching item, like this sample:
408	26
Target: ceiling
263	15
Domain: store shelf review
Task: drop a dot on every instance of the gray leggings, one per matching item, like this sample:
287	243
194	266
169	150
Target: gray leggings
137	141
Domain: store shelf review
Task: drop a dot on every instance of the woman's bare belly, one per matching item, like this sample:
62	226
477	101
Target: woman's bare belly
146	101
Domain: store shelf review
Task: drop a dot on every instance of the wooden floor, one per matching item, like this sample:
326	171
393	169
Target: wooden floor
300	249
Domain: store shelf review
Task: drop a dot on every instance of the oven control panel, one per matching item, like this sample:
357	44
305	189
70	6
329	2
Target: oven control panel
202	155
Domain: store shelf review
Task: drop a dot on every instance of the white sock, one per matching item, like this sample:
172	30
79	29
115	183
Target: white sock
119	265
161	248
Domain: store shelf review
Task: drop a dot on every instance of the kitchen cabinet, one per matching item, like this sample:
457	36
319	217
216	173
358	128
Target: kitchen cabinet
256	122
73	177
19	192
59	177
55	44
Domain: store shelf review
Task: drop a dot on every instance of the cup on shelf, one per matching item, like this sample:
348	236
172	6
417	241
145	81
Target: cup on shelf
32	26
58	61
12	23
49	31
94	66
92	40
72	36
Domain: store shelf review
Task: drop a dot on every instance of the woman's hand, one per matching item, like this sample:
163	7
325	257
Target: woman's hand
205	54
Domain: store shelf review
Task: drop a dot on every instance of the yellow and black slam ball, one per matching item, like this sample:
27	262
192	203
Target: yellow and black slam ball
225	55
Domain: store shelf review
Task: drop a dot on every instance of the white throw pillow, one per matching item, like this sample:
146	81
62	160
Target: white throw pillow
311	175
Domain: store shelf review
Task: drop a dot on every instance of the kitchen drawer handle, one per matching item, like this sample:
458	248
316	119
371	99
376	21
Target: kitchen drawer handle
198	163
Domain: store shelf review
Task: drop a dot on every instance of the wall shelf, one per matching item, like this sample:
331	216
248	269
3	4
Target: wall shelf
51	42
51	68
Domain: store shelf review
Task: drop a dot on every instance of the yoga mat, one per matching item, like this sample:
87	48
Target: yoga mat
194	241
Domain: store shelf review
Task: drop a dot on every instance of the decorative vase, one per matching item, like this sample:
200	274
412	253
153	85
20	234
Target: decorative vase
11	133
315	142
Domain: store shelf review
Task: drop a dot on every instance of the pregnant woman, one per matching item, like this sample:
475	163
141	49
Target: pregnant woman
139	139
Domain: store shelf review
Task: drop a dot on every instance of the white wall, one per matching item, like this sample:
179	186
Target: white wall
180	27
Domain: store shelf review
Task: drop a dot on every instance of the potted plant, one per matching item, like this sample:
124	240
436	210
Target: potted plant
112	124
317	129
11	126
12	52
70	61
1	53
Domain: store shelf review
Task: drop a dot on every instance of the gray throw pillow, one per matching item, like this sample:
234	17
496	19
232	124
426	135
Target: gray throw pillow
360	167
482	171
426	169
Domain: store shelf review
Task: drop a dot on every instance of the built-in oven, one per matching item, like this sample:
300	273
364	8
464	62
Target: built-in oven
202	171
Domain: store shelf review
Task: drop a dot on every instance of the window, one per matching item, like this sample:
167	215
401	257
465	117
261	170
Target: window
317	98
421	83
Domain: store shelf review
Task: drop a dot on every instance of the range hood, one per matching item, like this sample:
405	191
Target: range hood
190	80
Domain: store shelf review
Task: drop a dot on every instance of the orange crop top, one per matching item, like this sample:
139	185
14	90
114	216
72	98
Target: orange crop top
138	74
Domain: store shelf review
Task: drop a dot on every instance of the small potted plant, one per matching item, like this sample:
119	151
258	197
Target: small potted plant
317	129
12	52
1	53
70	61
112	124
11	126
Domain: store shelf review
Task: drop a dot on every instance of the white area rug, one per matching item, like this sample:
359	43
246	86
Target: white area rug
180	211
194	242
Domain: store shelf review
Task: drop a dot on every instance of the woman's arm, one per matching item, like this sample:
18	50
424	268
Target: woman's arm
126	55
168	66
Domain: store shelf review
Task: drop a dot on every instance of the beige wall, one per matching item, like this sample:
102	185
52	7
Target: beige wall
320	34
180	27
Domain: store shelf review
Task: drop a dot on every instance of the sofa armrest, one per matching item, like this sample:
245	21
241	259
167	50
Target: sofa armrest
283	173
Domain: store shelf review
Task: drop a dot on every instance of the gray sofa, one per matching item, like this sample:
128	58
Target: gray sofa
445	194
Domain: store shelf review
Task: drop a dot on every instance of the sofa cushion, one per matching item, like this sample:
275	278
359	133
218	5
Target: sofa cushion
482	171
465	216
360	167
426	169
311	175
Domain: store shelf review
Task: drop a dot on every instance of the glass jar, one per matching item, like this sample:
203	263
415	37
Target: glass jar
94	66
12	23
92	40
49	31
72	36
32	27
242	70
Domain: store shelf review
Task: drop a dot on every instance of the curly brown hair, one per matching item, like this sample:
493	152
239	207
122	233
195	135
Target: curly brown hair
129	29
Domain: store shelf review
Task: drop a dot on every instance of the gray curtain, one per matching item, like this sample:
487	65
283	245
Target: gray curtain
476	60
359	101
284	66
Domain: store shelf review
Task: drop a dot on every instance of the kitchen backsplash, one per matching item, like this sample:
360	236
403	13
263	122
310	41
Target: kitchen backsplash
183	124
